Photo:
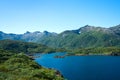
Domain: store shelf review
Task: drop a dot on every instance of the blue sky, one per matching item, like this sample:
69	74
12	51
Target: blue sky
19	16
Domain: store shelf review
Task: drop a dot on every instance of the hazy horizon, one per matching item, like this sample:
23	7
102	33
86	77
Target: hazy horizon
19	16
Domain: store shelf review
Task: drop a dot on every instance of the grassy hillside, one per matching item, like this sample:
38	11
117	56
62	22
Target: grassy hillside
26	47
88	39
21	67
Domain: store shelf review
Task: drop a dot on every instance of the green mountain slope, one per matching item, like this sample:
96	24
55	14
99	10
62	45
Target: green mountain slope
84	37
26	47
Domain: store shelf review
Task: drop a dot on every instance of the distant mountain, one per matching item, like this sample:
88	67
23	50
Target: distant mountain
84	37
9	36
28	36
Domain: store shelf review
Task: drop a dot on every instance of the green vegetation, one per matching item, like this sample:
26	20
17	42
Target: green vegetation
81	40
21	67
88	40
96	51
15	65
71	40
26	47
84	37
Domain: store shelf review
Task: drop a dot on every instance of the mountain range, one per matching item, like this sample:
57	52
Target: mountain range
84	37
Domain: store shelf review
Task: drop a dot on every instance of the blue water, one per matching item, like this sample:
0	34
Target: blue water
83	67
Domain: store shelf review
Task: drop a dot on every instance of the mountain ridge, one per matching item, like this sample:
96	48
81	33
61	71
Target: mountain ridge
86	36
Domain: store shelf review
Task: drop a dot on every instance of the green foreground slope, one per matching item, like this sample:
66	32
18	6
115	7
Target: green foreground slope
21	67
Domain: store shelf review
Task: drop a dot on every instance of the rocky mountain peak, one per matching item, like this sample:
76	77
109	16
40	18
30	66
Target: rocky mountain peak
27	32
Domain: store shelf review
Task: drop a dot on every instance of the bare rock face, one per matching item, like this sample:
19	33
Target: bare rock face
116	29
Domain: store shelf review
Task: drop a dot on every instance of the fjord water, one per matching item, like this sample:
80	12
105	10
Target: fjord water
83	67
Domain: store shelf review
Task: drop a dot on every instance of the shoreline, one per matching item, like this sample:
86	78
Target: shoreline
94	54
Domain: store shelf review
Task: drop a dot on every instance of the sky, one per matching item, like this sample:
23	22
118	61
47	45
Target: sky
19	16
